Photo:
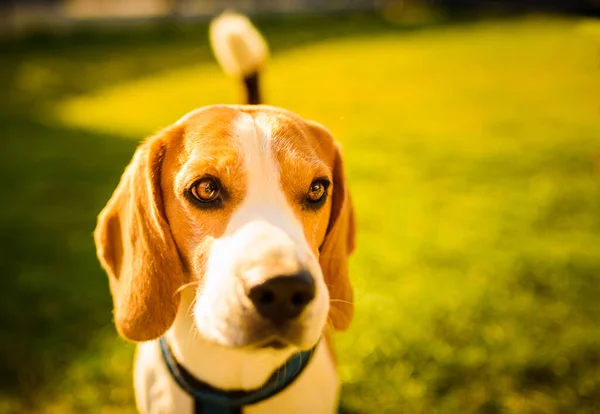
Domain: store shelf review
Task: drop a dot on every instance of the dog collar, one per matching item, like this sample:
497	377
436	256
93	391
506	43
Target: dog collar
211	400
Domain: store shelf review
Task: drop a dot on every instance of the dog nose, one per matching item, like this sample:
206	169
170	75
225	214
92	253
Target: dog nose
283	297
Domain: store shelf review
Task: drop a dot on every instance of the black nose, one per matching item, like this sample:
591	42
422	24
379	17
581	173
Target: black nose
283	297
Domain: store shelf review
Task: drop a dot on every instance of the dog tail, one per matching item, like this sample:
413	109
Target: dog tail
241	51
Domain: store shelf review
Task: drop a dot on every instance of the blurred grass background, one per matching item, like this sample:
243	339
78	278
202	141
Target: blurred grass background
473	151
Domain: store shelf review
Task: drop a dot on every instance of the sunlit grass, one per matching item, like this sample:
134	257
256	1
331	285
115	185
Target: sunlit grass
473	155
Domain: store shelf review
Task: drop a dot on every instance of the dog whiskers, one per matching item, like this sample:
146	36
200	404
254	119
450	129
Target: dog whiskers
340	301
190	309
337	310
186	285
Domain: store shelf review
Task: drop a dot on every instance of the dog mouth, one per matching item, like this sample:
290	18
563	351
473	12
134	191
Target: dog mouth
270	336
256	334
274	343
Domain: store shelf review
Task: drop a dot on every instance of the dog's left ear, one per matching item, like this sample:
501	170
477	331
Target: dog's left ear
135	246
339	241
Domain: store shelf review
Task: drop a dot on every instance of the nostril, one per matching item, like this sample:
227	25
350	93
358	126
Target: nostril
301	299
265	297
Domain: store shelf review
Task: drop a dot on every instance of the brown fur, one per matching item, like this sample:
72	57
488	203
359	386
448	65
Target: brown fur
136	249
339	243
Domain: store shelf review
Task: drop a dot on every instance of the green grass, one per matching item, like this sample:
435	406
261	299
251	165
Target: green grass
473	152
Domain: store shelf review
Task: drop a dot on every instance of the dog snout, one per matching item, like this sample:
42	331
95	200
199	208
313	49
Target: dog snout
284	297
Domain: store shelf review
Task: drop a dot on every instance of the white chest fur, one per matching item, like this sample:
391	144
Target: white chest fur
315	391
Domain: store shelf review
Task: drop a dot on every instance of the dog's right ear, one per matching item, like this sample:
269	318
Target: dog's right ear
135	246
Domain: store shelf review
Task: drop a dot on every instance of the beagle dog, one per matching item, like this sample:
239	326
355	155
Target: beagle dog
226	245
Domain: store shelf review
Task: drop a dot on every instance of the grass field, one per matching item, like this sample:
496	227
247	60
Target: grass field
473	152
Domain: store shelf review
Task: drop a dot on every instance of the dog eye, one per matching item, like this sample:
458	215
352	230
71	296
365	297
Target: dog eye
206	190
317	193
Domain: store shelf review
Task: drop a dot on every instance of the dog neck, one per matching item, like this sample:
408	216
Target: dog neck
217	365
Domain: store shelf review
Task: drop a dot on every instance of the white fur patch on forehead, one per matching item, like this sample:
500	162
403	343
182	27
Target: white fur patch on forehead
261	167
265	199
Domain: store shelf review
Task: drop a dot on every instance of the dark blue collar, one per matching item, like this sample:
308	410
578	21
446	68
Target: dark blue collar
215	401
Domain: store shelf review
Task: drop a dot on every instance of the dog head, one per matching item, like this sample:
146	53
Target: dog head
248	205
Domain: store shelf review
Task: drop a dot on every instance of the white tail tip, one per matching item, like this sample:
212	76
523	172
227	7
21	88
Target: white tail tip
238	46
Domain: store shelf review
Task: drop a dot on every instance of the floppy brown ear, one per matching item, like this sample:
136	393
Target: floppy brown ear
135	247
338	245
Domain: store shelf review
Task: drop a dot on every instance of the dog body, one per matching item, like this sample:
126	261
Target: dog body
228	237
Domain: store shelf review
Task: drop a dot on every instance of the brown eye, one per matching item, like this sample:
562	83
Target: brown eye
206	190
317	192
